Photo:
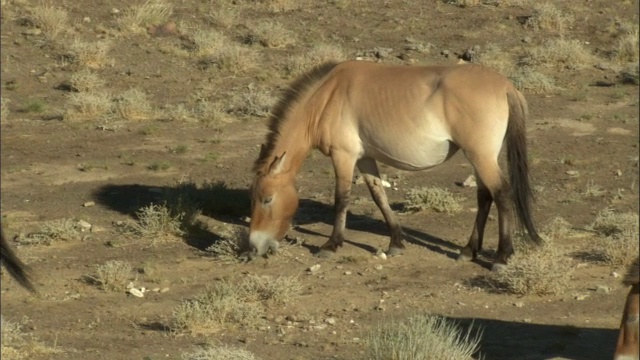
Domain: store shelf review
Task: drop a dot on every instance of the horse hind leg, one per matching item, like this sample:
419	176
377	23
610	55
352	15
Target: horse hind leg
484	200
489	174
369	170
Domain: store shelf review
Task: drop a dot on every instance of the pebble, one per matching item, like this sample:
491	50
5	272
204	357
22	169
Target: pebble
581	297
470	181
377	267
314	268
83	225
164	290
347	272
32	32
382	256
518	304
602	289
89	204
615	274
135	292
330	321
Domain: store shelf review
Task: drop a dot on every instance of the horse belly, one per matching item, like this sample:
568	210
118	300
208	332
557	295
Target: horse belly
413	153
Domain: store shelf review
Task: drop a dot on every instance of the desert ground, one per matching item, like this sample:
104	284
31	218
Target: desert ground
128	135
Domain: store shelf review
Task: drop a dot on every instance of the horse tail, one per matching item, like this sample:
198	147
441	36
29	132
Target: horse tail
518	162
632	277
14	266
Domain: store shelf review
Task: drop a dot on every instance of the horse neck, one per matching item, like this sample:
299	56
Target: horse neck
295	141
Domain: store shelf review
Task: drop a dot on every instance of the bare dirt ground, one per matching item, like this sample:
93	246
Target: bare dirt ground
583	150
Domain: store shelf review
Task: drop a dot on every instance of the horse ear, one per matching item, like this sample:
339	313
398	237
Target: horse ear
276	166
263	151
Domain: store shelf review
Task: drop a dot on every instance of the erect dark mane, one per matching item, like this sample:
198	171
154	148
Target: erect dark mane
289	97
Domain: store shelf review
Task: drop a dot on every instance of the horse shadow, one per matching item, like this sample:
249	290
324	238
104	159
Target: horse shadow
502	340
232	206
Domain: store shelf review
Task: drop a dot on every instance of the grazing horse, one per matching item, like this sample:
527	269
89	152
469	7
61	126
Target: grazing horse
408	117
628	340
14	266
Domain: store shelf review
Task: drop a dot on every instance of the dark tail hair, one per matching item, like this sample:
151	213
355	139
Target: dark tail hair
14	266
518	162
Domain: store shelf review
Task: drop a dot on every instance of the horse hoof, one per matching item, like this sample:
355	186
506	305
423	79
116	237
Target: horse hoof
497	267
394	251
324	254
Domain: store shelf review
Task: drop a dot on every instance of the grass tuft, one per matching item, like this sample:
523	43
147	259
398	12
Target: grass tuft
231	244
93	105
617	241
222	352
133	105
51	231
432	198
422	337
549	18
90	54
113	275
234	302
272	34
156	223
51	20
138	18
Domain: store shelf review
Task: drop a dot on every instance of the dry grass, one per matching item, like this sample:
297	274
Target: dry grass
89	106
530	80
560	53
157	224
209	42
422	337
86	80
222	352
138	18
253	101
549	18
133	105
90	54
537	270
318	54
113	275
498	59
272	34
234	303
618	241
626	50
231	57
51	20
231	244
17	346
593	190
278	6
51	231
558	229
224	17
432	198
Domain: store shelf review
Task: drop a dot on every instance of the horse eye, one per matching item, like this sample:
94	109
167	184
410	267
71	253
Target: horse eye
267	200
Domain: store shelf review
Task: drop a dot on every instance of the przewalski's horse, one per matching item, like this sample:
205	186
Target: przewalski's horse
628	340
409	117
14	266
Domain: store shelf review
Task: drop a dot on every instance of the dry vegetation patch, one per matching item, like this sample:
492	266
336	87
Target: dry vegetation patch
237	302
617	242
222	352
90	54
432	198
113	275
53	21
94	105
156	223
317	55
422	337
272	34
17	345
560	53
133	104
548	17
138	18
51	231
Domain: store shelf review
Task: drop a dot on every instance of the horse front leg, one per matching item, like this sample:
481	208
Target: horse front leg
371	174
343	164
628	338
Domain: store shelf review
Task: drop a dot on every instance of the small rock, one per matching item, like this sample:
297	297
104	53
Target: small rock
115	11
601	289
602	66
445	53
358	180
526	39
32	32
618	172
135	292
347	272
385	183
381	53
164	290
156	289
89	204
573	173
382	256
615	274
86	20
279	319
470	181
83	225
314	268
518	304
527	320
330	321
130	285
377	267
581	297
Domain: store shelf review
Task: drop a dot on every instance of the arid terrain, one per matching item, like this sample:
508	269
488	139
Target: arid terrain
128	135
